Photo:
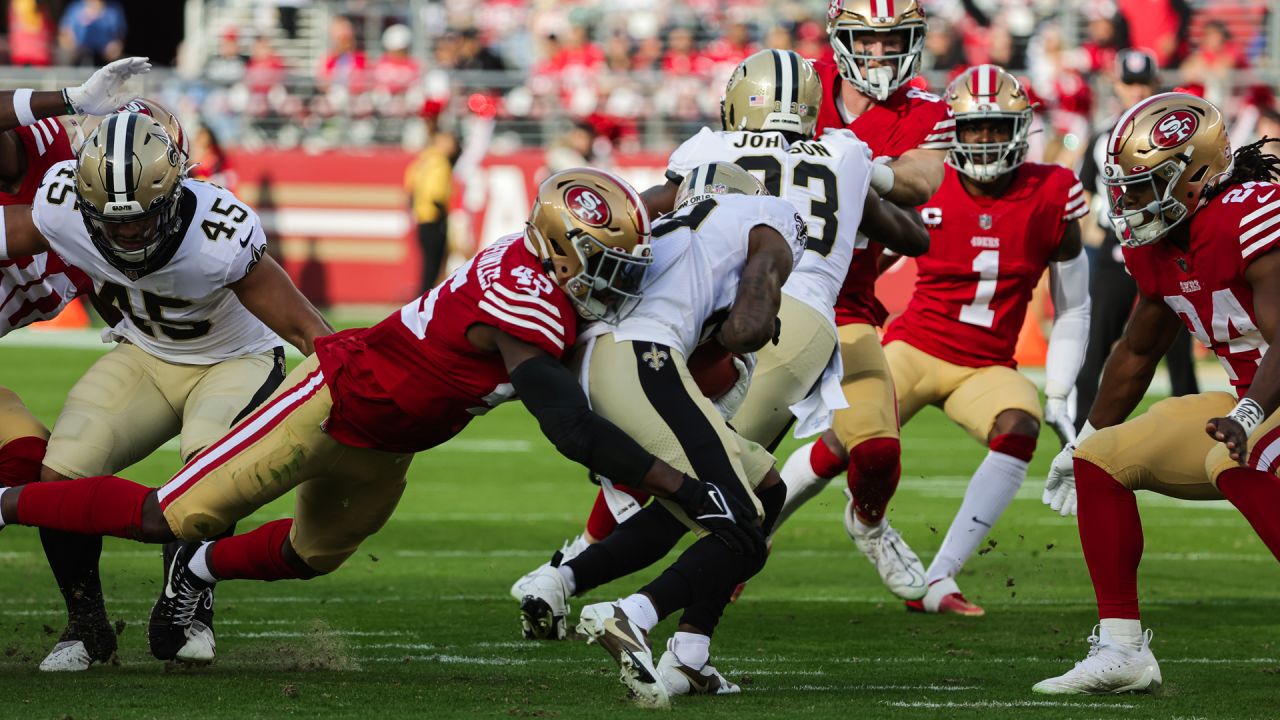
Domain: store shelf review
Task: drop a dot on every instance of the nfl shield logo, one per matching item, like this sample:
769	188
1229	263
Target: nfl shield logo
984	221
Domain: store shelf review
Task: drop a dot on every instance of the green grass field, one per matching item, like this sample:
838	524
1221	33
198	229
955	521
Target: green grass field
418	623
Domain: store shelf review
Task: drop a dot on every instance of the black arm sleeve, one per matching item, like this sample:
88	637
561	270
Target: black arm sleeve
550	392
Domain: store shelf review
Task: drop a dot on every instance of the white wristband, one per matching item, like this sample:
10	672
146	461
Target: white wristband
22	106
1249	414
881	179
4	238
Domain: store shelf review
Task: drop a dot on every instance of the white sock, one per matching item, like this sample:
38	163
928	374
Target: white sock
994	484
566	572
691	649
1124	631
199	563
641	610
2	492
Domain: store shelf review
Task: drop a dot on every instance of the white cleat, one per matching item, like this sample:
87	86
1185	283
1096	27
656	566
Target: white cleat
67	656
899	566
570	550
201	646
544	607
608	626
681	679
1109	668
801	481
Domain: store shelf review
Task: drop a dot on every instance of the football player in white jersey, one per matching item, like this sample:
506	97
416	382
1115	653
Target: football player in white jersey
196	308
719	265
768	127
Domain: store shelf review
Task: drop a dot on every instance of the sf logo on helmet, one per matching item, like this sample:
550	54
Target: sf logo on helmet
587	205
1174	129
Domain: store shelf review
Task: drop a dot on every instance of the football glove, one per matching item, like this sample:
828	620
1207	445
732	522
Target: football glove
1057	414
722	515
104	91
1060	486
731	400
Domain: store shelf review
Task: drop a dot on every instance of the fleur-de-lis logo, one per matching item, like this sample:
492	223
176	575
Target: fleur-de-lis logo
654	357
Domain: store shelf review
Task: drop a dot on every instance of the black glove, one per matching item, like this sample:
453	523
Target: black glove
723	515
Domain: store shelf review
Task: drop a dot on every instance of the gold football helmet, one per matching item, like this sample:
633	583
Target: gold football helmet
847	19
129	187
988	92
716	178
591	231
167	120
772	90
1162	155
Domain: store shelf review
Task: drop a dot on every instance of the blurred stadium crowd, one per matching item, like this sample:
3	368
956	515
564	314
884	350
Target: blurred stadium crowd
618	76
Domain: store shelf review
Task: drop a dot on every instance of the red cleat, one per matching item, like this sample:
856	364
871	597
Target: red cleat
945	598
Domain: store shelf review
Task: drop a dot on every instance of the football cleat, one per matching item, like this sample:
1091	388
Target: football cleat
201	645
1109	668
85	641
944	598
608	626
544	608
570	550
681	679
899	566
173	617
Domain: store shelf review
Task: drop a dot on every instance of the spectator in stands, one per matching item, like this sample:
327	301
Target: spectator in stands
1161	26
429	181
92	32
473	54
575	148
30	33
724	53
944	50
345	63
617	53
778	38
1105	35
210	160
812	41
1066	95
648	54
1269	126
1214	62
395	72
682	58
227	66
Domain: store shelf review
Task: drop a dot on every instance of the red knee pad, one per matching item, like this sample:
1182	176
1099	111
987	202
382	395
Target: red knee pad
601	522
20	461
874	469
1022	447
255	555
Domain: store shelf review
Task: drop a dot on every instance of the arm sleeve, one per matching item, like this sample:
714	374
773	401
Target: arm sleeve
554	397
1069	282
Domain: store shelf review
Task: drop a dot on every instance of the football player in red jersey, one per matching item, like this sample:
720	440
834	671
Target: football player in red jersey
38	288
867	89
996	224
1200	229
345	423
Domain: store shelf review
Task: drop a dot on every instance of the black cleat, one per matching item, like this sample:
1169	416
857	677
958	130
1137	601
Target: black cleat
88	639
173	618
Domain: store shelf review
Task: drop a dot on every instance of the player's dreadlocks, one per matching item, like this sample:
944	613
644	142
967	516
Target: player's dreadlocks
1251	165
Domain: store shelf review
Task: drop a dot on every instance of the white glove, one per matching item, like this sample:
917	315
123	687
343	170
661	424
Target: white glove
1057	414
1060	487
729	402
103	92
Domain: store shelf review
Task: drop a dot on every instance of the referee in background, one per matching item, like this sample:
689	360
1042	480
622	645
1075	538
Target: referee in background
1113	289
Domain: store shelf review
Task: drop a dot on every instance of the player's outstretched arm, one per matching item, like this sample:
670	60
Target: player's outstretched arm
1069	284
898	228
752	319
916	176
1151	329
268	293
102	93
18	234
1263	275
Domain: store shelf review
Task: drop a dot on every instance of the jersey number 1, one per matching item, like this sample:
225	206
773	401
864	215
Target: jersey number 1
979	312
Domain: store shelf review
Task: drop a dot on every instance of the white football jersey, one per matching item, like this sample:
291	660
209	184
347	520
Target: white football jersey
698	255
183	311
825	179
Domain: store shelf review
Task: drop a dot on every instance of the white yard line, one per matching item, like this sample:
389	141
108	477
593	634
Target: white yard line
997	704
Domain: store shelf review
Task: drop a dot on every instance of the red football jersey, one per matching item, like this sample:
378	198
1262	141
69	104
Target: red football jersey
985	257
1206	285
37	288
910	118
413	381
